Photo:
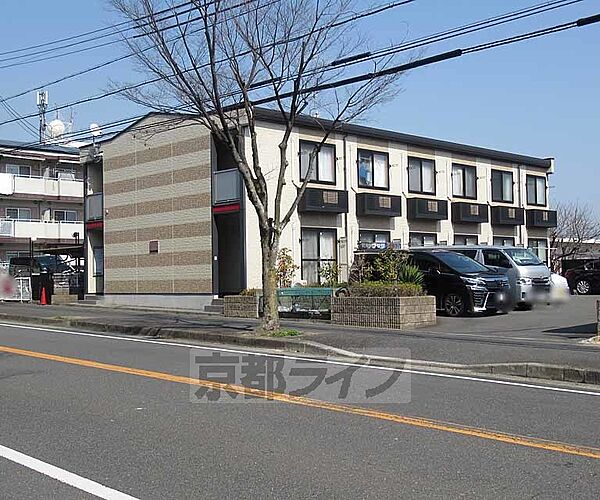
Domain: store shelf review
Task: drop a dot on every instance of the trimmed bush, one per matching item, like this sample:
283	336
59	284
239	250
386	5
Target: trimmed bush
381	289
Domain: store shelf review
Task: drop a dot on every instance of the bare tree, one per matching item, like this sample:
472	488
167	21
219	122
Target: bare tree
576	225
219	60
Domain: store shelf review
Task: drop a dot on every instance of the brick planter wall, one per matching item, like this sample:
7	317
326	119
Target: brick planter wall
240	306
384	312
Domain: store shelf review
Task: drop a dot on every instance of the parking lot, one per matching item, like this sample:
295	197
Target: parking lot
574	320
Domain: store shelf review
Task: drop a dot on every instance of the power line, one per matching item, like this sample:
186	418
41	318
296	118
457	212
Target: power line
419	42
22	122
92	68
110	42
444	56
357	16
98	30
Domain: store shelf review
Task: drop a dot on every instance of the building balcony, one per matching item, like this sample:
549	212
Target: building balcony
11	184
427	209
470	212
227	186
378	204
94	207
541	218
323	200
508	216
40	230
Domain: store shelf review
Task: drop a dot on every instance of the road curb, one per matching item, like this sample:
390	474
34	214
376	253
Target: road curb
521	369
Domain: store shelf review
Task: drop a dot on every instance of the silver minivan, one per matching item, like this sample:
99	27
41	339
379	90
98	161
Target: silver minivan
528	276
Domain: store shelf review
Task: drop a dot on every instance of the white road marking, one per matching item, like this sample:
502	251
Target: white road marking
81	483
315	360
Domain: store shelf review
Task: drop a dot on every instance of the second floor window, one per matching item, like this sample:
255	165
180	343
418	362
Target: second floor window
18	213
502	186
464	181
323	166
536	190
19	170
373	171
421	176
65	215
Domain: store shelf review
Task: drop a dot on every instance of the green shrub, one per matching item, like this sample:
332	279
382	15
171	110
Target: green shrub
387	264
286	268
329	274
382	289
286	332
251	292
409	273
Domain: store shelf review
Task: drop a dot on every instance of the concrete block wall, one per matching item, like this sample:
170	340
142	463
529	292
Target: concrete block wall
384	312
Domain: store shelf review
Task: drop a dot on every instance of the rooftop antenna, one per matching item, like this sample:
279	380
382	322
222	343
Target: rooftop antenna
42	104
96	132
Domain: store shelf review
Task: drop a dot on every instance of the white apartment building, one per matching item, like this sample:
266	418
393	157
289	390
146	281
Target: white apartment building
174	221
41	198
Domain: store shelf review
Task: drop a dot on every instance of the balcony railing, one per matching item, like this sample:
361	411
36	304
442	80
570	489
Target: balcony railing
226	186
41	186
94	207
47	230
377	246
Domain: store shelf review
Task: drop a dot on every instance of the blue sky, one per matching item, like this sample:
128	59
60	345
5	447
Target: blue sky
539	97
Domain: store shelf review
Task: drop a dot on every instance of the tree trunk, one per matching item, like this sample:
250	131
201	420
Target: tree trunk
270	322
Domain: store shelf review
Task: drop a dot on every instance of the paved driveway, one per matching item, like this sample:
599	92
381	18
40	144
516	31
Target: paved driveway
575	320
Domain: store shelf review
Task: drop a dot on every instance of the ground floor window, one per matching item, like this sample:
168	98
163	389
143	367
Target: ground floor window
373	240
466	239
422	239
504	241
318	250
539	246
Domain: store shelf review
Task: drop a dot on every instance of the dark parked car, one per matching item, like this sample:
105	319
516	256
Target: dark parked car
460	284
585	279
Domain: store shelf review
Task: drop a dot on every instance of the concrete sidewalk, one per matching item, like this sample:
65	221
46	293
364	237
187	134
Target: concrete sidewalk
508	344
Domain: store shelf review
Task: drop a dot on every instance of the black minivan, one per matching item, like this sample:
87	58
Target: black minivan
460	284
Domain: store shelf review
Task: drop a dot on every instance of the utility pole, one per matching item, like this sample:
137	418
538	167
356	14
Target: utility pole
42	104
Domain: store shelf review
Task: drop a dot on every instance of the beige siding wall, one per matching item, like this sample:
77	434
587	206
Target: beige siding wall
157	186
399	227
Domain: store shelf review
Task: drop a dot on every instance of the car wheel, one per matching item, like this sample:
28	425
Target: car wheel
583	287
454	304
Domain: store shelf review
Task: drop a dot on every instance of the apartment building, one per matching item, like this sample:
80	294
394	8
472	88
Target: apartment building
177	227
41	198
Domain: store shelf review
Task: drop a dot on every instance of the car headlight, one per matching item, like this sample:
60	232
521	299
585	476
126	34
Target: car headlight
524	281
472	281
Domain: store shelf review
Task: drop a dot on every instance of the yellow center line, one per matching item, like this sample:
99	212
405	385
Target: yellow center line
502	437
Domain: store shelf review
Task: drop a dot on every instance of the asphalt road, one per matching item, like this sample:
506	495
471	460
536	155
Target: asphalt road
88	415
